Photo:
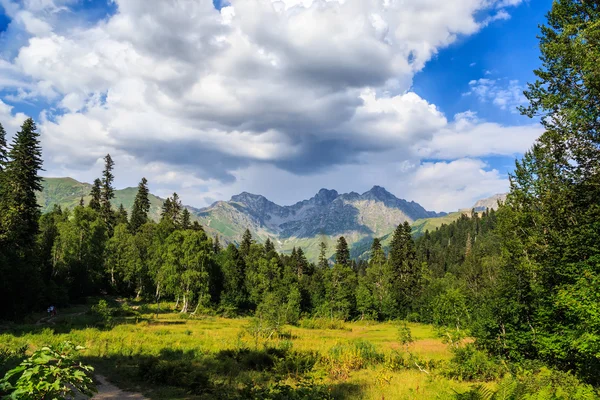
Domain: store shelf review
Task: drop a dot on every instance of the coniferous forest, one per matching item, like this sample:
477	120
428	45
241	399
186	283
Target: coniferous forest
521	283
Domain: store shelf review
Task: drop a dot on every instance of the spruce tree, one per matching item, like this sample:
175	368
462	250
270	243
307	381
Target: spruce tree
185	219
108	191
172	209
3	149
269	247
323	261
246	243
20	184
217	245
121	216
342	252
403	267
96	194
197	227
141	206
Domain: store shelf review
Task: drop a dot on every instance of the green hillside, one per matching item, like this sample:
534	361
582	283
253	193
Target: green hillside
67	193
431	224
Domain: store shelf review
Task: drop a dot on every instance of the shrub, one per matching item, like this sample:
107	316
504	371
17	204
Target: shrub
351	356
10	358
50	373
103	311
324	323
469	364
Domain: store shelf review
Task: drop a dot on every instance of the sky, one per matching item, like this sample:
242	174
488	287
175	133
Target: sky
209	98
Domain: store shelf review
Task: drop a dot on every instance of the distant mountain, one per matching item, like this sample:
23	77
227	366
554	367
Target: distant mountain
490	202
324	217
431	224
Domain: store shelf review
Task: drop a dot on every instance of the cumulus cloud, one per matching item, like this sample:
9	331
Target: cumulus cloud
449	185
507	95
192	94
468	136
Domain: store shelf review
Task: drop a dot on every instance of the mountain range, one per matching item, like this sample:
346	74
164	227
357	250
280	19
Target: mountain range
324	217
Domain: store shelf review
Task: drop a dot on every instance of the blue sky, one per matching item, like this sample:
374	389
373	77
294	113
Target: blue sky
281	98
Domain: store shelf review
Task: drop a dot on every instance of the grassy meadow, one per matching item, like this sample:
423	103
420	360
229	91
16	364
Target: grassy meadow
172	356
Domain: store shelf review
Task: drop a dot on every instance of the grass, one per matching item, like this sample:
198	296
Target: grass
211	357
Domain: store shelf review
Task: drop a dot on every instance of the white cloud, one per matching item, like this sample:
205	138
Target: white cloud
507	95
205	100
467	136
457	184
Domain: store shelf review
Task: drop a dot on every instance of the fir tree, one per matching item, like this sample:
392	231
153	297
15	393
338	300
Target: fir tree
323	261
20	184
269	247
141	206
121	216
172	209
197	227
96	194
217	245
185	219
3	149
342	252
108	191
246	243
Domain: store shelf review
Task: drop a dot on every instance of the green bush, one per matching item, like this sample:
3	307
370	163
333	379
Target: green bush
324	323
471	364
103	311
10	358
50	373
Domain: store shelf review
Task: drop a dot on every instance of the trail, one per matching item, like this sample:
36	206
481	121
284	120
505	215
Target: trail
107	391
50	320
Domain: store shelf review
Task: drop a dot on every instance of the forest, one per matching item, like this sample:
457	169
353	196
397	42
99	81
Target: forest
514	293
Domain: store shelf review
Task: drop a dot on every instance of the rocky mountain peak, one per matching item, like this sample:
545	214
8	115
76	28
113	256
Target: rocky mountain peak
248	198
378	193
325	196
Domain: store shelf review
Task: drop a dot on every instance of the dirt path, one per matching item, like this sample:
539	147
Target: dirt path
50	320
108	391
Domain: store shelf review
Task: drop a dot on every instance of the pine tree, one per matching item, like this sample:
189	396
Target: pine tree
269	247
323	261
197	227
217	245
342	252
185	219
81	202
3	149
121	216
96	194
108	191
172	209
403	267
20	184
141	206
246	243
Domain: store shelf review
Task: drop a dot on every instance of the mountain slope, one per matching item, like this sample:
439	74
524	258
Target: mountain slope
431	224
67	193
324	217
